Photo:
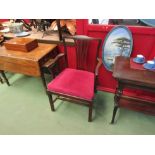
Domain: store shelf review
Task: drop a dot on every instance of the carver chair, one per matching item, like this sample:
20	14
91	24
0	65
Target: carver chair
77	84
4	76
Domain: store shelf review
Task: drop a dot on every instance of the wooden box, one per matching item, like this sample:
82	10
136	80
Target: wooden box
21	44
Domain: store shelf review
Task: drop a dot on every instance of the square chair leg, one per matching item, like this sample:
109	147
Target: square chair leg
90	112
51	101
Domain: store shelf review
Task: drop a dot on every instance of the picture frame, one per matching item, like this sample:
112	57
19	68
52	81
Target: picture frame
118	42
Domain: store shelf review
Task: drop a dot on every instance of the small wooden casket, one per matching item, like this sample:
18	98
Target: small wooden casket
21	44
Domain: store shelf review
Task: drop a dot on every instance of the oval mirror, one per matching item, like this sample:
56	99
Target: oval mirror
118	42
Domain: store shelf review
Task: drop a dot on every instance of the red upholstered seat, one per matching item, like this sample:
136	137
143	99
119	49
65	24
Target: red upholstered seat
74	82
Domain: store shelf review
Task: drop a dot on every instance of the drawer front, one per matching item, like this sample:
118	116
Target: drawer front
50	55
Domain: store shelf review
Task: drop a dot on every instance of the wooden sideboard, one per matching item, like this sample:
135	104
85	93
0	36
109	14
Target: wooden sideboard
128	77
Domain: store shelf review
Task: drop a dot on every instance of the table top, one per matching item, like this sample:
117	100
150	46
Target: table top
34	55
123	71
52	37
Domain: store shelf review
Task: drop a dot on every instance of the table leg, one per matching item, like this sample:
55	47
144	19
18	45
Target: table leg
114	114
1	80
118	93
5	78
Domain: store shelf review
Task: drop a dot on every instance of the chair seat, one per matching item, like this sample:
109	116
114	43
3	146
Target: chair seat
73	82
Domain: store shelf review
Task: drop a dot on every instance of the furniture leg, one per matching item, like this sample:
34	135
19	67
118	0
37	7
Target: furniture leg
114	114
51	101
90	112
118	94
5	78
1	80
43	80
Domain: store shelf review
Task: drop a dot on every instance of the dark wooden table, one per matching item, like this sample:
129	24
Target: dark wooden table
128	77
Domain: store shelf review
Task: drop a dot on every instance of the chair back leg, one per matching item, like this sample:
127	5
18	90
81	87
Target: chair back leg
90	111
43	80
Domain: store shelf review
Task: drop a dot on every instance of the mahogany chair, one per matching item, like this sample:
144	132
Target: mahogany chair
4	76
78	85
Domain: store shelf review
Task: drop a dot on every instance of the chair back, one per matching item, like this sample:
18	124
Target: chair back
87	49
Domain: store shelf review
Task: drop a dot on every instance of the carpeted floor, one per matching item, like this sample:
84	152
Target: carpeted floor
25	109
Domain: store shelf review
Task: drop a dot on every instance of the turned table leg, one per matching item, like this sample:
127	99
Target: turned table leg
118	94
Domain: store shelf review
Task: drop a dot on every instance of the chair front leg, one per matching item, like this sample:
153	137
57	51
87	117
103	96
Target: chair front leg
51	101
